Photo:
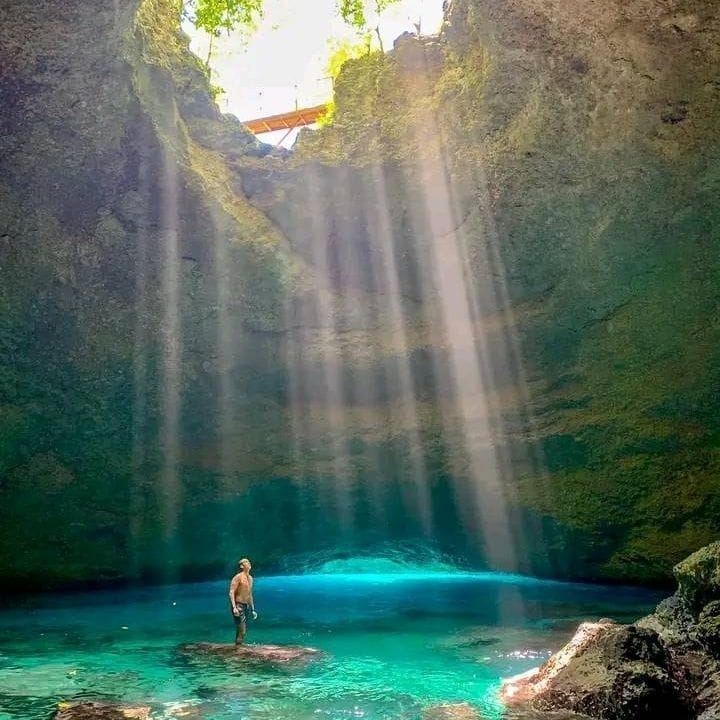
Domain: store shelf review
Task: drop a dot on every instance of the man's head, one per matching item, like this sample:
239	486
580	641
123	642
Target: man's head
244	565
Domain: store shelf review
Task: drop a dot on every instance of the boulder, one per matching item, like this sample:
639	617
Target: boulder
259	654
451	711
101	711
708	628
712	713
665	665
708	697
673	621
531	684
607	671
698	577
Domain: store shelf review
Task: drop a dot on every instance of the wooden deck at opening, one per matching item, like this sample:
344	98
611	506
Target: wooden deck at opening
285	121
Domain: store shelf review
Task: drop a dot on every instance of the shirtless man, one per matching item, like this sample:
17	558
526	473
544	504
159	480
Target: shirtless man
241	599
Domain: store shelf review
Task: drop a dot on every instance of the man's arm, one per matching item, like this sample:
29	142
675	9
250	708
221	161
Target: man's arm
233	589
252	599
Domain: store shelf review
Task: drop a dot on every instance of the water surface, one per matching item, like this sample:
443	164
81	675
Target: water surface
396	644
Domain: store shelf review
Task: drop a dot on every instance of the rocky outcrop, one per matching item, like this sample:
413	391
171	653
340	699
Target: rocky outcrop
272	655
665	665
698	580
479	310
622	675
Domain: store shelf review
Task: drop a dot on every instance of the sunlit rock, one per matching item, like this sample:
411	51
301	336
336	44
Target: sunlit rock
532	683
665	665
606	671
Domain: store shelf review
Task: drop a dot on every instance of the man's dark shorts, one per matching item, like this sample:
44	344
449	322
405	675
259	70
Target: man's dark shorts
242	616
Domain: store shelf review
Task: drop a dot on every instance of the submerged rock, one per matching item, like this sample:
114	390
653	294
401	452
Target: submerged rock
264	654
101	711
451	711
186	710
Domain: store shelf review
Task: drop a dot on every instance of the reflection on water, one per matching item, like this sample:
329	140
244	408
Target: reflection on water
395	644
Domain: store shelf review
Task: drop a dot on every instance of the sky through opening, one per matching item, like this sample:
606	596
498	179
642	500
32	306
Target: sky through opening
282	65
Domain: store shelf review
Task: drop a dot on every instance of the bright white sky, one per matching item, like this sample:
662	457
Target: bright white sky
284	61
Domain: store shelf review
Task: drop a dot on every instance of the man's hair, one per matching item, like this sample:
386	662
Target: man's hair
241	561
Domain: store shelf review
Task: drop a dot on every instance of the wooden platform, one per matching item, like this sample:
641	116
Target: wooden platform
285	121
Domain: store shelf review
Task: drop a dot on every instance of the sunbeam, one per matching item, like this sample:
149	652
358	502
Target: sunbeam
170	487
387	281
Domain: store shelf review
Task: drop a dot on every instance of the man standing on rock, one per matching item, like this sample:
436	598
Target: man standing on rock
241	599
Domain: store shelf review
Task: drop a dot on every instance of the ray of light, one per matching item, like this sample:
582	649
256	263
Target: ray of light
172	356
350	219
330	387
387	280
140	384
299	435
462	364
226	350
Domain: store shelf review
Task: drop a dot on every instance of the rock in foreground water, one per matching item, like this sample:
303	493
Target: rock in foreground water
531	684
264	654
606	671
665	665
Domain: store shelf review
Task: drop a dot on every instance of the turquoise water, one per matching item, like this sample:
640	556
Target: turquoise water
395	643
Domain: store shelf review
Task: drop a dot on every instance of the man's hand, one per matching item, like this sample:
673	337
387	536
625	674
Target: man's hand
236	610
254	614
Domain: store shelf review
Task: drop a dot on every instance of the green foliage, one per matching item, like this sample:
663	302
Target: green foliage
355	12
216	91
214	16
341	52
328	117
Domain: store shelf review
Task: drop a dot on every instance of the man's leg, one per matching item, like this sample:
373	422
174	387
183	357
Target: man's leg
240	625
240	630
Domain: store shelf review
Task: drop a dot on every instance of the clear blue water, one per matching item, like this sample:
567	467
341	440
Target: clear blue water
395	643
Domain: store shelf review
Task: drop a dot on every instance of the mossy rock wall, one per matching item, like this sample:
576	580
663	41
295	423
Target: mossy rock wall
209	349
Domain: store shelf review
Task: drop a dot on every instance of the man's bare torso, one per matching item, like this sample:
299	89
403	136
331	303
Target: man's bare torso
242	584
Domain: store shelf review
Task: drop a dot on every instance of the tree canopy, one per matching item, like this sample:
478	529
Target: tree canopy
216	16
355	12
